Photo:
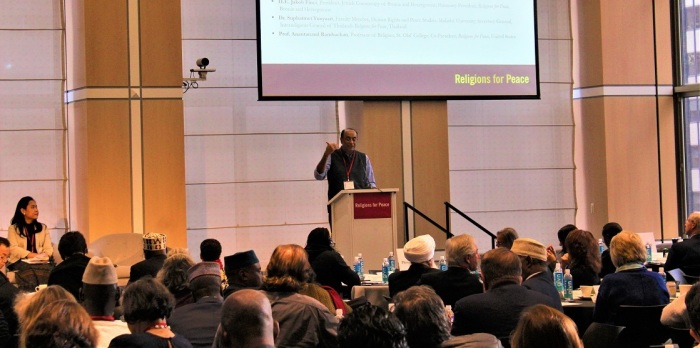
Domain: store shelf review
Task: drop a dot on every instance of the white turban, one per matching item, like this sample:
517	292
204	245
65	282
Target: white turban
420	249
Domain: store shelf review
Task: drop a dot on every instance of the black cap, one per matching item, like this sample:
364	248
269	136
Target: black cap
239	260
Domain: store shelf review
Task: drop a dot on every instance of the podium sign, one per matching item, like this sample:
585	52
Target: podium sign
364	221
373	205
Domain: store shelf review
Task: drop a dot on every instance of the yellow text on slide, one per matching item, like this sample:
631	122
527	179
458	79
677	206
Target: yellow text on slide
473	79
468	79
517	79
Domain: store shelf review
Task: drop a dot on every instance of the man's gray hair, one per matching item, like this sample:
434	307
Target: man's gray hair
458	248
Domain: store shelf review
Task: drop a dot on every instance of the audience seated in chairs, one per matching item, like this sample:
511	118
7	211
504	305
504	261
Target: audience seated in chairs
100	295
246	321
28	237
210	251
506	237
243	272
371	326
69	273
427	324
303	321
541	326
675	314
686	254
28	305
147	305
533	258
8	293
458	281
632	284
584	258
59	324
198	321
329	266
553	256
174	276
692	303
610	230
326	295
497	310
419	251
154	250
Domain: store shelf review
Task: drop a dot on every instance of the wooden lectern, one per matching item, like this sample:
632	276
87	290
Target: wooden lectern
364	221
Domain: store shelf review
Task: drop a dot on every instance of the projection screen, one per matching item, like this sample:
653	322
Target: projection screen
397	49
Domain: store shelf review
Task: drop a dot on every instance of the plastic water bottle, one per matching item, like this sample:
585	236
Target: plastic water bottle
385	271
648	246
443	264
601	245
356	267
568	286
392	262
559	279
362	266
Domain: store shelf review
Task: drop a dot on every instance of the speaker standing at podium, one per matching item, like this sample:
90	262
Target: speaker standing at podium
345	167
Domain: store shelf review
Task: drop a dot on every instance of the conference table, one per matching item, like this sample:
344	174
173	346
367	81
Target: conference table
581	312
376	294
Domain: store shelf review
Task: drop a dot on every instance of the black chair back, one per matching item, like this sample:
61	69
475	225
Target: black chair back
682	338
642	324
602	335
691	279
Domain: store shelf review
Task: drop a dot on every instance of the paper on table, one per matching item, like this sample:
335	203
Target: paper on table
567	304
37	260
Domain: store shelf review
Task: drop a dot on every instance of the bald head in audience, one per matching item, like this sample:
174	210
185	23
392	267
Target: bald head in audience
246	320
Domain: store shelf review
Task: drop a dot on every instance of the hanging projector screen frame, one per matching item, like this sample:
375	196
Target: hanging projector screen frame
414	50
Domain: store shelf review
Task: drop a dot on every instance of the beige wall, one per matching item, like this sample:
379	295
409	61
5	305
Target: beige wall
625	154
125	118
164	170
431	163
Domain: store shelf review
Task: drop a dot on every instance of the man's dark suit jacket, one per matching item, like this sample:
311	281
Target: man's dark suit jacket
686	256
606	265
147	267
543	283
496	311
453	284
8	292
69	274
402	280
198	321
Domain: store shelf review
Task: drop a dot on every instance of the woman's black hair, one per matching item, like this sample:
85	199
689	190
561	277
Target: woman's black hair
319	236
318	241
19	221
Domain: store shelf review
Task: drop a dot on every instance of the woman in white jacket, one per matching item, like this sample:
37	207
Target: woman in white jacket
28	237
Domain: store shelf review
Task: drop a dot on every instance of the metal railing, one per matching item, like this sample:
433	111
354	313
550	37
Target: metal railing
447	229
407	206
449	206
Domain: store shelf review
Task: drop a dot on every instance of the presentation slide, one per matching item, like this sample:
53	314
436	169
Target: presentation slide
399	49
